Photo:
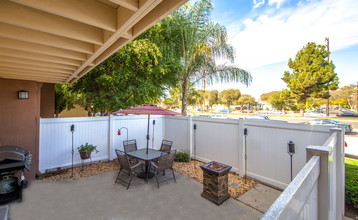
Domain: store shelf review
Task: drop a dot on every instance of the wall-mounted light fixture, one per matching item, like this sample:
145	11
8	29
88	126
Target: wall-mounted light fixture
22	94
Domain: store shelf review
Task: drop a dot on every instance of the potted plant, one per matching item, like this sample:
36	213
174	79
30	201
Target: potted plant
86	150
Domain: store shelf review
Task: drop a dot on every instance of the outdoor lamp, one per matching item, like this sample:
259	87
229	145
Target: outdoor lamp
291	152
291	148
22	94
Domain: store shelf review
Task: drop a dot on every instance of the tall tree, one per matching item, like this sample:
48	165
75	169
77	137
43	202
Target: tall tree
132	76
281	100
347	93
245	100
194	43
64	98
229	96
265	97
312	75
212	96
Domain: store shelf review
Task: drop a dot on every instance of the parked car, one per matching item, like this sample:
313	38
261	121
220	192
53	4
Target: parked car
247	111
257	117
347	114
262	117
329	122
224	111
313	114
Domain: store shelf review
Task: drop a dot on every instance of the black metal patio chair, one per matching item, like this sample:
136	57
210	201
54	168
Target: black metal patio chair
166	146
164	164
128	146
126	166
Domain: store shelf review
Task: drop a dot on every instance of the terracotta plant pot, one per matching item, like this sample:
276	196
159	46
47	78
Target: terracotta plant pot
85	156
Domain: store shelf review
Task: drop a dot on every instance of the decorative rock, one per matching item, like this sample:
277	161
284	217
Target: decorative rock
234	185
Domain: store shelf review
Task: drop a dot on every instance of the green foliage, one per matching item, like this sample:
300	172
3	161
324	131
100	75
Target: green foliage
346	96
229	96
267	96
87	148
281	100
182	156
176	95
245	100
312	76
64	98
191	42
130	77
352	182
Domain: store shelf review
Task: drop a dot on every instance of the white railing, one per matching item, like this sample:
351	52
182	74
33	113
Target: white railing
299	200
317	192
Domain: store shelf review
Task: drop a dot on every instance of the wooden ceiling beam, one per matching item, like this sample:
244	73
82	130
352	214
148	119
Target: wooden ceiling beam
132	5
23	16
89	12
31	36
21	61
40	49
33	67
39	57
31	78
29	72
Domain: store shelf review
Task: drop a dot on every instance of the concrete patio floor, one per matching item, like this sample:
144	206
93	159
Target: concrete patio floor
97	197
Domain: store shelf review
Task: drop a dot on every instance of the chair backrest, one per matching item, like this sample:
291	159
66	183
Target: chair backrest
166	160
123	160
130	145
166	146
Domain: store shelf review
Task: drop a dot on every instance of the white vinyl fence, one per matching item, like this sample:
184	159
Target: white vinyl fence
221	140
55	148
267	157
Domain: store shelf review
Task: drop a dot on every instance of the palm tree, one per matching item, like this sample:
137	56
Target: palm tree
197	43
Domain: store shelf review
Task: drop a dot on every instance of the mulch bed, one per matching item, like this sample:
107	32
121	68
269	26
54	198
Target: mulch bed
93	169
186	168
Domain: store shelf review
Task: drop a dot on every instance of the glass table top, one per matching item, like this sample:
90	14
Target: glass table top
141	154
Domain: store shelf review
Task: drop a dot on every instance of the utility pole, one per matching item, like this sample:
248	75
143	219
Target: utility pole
327	103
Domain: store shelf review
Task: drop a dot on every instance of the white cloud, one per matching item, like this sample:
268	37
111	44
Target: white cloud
258	3
277	2
276	36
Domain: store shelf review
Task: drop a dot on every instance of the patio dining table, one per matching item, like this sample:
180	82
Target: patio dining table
142	155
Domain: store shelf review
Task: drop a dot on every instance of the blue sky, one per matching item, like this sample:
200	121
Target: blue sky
266	33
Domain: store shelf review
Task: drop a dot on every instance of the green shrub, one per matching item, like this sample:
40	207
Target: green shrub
182	156
352	182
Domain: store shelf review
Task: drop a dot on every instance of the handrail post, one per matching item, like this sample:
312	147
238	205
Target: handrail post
323	180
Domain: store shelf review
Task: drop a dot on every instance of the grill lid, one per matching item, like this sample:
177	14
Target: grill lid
12	153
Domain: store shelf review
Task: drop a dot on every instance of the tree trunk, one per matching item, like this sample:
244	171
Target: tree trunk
56	114
184	100
302	112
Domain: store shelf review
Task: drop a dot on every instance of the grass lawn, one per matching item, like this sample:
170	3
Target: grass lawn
351	188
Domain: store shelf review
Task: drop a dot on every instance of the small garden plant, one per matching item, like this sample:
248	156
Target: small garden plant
87	148
182	156
352	182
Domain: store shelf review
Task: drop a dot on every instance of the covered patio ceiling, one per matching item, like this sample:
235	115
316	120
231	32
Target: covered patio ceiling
58	41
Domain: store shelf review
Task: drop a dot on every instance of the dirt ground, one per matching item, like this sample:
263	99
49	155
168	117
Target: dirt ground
237	185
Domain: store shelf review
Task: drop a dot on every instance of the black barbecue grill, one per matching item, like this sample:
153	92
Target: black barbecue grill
13	159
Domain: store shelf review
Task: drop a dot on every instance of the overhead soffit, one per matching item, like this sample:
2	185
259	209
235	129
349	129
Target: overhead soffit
59	41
